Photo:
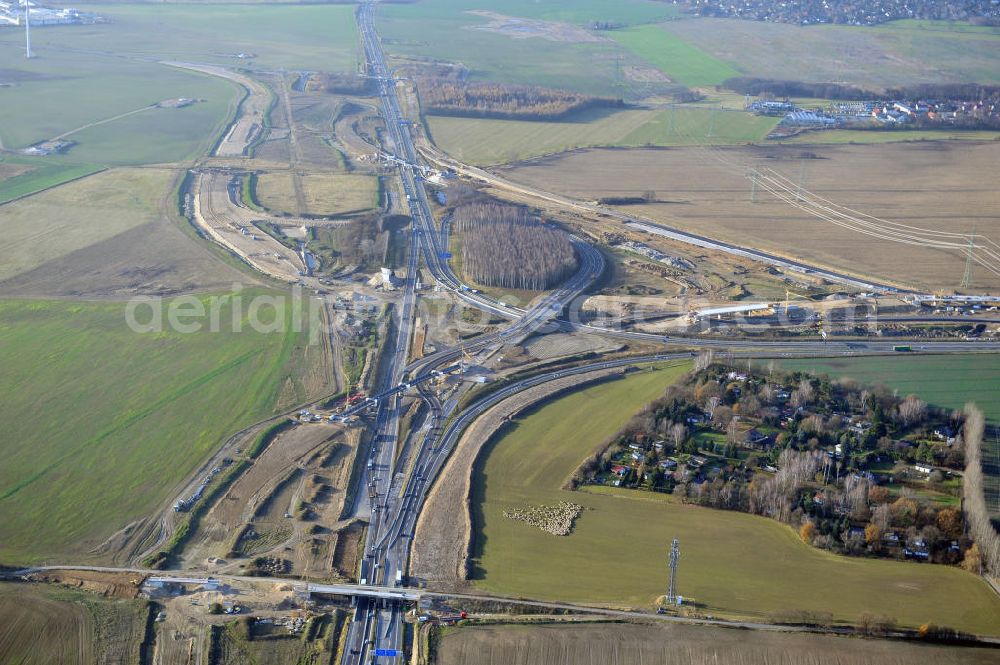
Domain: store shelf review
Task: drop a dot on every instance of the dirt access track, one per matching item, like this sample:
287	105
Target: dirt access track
288	504
115	585
233	226
250	119
442	539
523	28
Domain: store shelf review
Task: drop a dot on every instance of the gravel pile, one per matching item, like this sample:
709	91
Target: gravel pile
557	520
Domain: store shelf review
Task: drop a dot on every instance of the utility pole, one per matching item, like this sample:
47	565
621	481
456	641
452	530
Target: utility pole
711	123
675	555
753	185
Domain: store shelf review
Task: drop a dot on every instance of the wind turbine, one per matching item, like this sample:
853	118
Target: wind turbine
27	31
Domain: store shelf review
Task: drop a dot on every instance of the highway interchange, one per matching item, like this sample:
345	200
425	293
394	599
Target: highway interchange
391	499
395	500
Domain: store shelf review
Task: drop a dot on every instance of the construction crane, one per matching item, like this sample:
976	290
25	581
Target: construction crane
788	296
788	300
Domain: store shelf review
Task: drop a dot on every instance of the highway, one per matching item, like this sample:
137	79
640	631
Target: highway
387	547
394	499
391	500
373	623
377	625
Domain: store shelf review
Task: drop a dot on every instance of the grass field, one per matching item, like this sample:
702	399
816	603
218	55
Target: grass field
732	563
62	91
491	142
892	55
53	224
682	62
672	644
87	74
40	175
695	125
102	424
947	381
325	195
441	29
47	625
627	12
309	37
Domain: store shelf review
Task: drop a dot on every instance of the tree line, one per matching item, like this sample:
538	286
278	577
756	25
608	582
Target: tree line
960	92
976	512
491	100
508	247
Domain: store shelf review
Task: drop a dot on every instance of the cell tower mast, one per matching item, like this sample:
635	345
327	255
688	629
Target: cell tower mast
675	555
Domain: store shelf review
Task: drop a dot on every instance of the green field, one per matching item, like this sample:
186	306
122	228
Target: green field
102	424
310	37
681	61
627	12
490	142
692	125
895	54
440	29
88	74
732	563
56	223
65	91
948	381
45	173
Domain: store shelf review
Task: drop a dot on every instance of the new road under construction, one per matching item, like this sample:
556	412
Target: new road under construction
396	502
407	415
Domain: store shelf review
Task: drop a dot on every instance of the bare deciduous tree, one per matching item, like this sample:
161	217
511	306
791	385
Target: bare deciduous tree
491	100
678	433
804	394
506	246
976	511
712	404
704	360
912	410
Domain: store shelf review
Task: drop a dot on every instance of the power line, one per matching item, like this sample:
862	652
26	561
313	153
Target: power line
967	277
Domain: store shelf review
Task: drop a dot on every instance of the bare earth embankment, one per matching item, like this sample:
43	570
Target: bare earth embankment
441	541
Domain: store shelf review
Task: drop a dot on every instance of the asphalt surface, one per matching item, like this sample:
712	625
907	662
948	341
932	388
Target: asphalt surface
392	500
397	498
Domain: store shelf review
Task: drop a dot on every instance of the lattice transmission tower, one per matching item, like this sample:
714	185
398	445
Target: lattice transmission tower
672	560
